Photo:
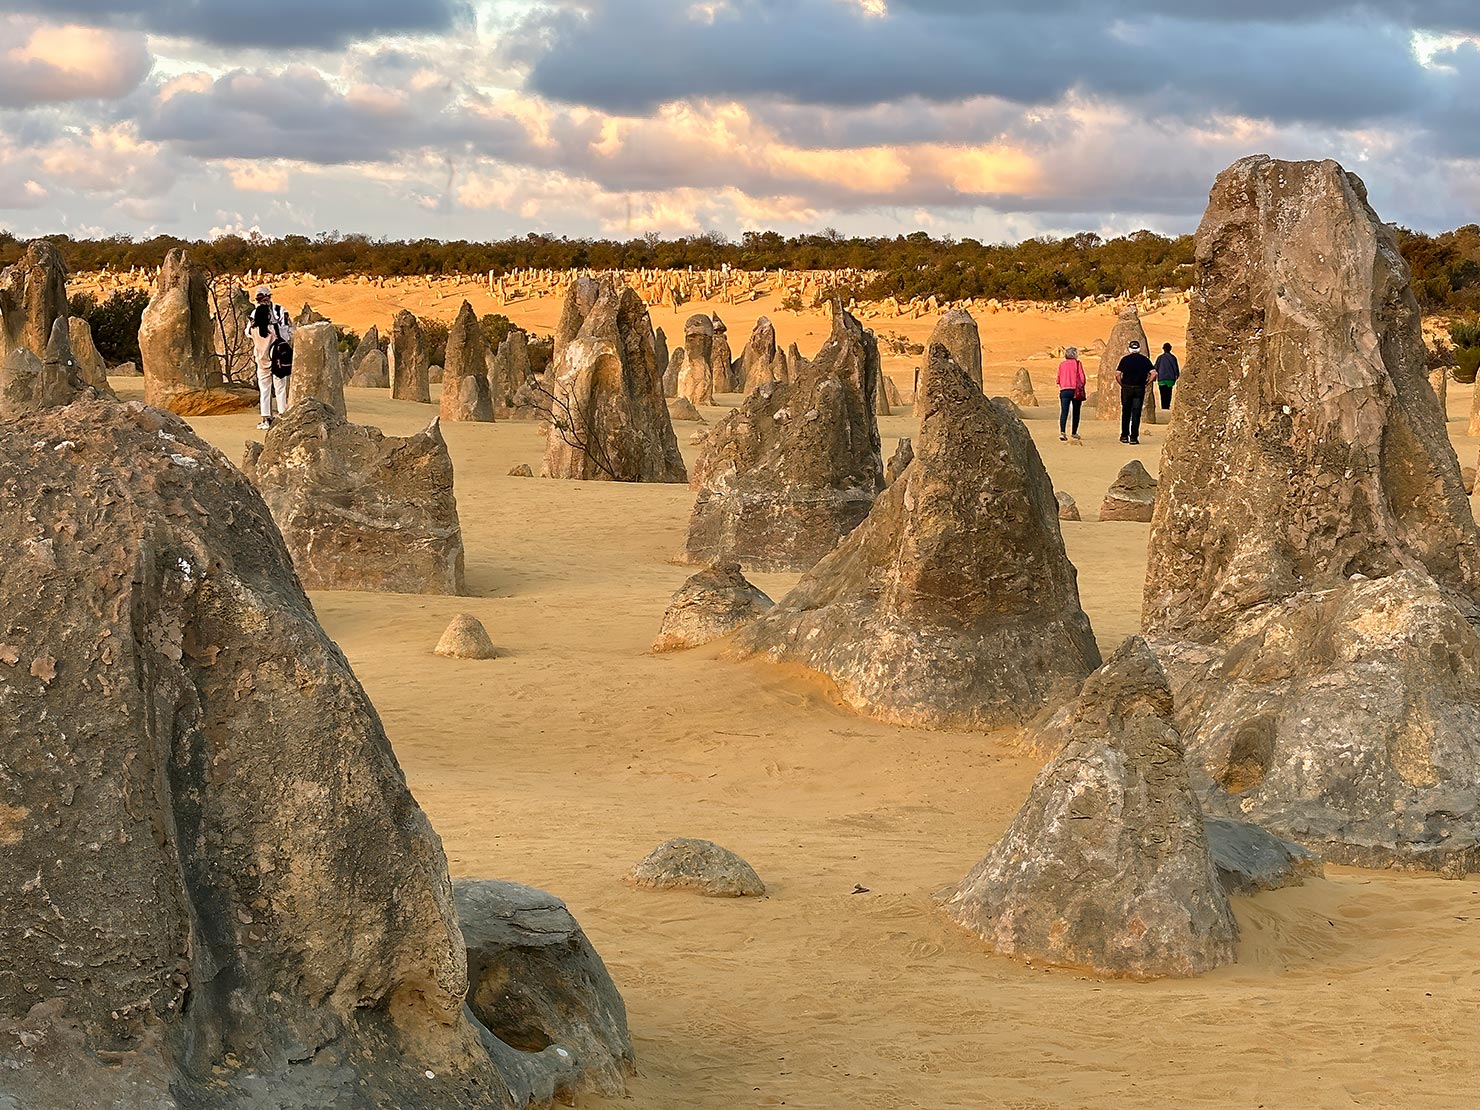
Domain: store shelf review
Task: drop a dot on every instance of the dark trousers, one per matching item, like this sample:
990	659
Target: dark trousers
1131	403
1166	394
1067	400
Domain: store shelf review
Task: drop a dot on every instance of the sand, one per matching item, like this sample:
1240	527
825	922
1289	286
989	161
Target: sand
565	760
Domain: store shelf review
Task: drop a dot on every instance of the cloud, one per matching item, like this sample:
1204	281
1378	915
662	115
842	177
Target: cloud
281	24
50	64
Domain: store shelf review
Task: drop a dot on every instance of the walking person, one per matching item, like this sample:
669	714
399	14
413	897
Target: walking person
1167	373
1134	374
268	325
1071	391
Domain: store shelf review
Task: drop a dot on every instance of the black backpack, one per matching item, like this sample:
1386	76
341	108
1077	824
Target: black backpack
281	355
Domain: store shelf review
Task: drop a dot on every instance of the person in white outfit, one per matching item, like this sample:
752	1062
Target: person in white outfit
267	324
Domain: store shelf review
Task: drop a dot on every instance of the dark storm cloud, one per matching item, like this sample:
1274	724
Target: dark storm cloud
1322	61
264	23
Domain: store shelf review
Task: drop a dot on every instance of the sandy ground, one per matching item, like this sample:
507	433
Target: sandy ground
563	762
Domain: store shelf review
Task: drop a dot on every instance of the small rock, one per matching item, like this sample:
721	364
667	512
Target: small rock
681	408
1132	496
1068	507
698	865
466	638
711	604
521	471
1250	859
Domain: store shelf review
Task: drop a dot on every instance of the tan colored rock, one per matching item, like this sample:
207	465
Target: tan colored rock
1132	496
510	370
684	863
711	604
523	470
956	330
409	363
954	604
466	638
317	372
758	359
33	296
465	393
1068	507
675	368
682	409
1106	868
360	510
696	370
1314	573
1022	393
795	467
904	454
178	346
608	418
1107	390
722	369
29	385
90	365
369	342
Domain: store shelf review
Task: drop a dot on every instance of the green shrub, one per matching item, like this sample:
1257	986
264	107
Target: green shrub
1466	363
495	327
541	352
435	334
1465	332
114	322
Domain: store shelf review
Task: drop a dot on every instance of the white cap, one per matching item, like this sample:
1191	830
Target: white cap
1135	344
263	291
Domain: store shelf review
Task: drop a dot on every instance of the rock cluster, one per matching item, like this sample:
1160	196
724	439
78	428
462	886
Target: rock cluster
797	466
684	863
953	604
1132	496
29	384
465	394
711	604
360	510
609	421
1107	867
1313	574
224	894
177	342
409	362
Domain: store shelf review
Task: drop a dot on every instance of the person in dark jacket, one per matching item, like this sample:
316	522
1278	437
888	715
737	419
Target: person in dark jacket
1134	373
1167	373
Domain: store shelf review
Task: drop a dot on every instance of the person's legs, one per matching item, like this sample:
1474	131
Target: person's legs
264	388
1066	398
280	387
1138	402
1127	406
1166	394
1078	404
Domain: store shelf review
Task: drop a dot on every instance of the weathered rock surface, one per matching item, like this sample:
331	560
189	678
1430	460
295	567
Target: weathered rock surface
795	467
33	296
219	890
899	462
511	369
370	341
1021	393
535	982
1312	579
1107	389
1068	507
956	330
178	346
1106	867
711	604
684	863
1132	496
953	604
29	384
681	408
892	393
466	638
434	374
722	360
1250	859
465	393
696	370
609	421
758	359
661	356
309	315
90	365
317	371
372	371
409	360
580	298
523	470
360	510
675	369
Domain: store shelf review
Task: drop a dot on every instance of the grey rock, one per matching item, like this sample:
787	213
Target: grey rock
90	365
33	296
409	360
1132	496
465	393
684	863
1127	327
681	408
372	371
1250	859
956	330
758	359
696	371
317	371
711	604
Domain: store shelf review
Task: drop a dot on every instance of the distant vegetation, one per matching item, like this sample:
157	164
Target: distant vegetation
114	322
1446	267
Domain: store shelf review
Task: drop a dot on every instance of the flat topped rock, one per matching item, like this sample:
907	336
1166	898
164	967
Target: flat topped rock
1106	867
466	638
1132	496
702	866
711	604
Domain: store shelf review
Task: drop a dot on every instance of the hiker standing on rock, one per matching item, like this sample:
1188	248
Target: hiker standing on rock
1071	391
1167	373
267	326
1134	373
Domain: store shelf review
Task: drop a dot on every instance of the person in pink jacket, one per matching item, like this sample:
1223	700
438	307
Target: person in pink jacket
1071	391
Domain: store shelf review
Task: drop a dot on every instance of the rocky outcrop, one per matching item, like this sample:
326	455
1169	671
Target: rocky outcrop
797	466
1313	579
609	421
722	360
696	371
223	893
465	393
409	362
1132	496
681	408
355	371
758	359
510	371
466	638
29	384
675	370
535	982
1021	393
1250	859
702	866
1127	327
360	510
317	371
1106	867
953	605
956	330
178	345
1068	507
90	365
711	604
899	462
33	296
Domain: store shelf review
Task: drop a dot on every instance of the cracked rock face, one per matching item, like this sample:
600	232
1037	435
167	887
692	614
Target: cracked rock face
33	296
797	466
954	603
177	932
1106	867
1312	577
711	604
360	510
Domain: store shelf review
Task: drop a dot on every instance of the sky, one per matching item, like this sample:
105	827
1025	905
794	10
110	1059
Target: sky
991	119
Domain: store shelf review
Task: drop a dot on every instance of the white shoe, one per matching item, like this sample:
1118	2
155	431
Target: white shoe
266	423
